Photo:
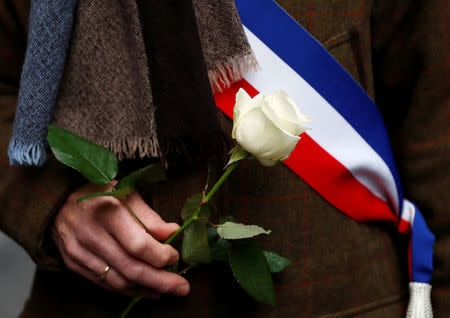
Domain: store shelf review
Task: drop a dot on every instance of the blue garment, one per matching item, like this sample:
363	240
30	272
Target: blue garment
50	26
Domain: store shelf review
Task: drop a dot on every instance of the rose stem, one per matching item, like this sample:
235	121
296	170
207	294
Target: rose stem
133	302
194	216
136	217
210	194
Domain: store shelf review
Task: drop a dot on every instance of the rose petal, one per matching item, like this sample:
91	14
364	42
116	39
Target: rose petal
243	105
286	108
260	136
288	125
283	107
301	118
268	163
242	101
292	127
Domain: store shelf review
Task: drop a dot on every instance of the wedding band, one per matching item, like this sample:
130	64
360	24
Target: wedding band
102	276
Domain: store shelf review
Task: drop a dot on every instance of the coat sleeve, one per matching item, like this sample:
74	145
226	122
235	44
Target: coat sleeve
29	196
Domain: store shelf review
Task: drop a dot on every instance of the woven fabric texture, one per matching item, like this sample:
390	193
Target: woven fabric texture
105	95
420	301
48	40
225	46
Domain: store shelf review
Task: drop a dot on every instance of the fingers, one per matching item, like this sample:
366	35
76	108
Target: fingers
136	271
160	229
101	232
90	266
135	241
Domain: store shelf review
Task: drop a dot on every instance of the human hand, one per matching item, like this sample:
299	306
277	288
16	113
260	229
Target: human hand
98	232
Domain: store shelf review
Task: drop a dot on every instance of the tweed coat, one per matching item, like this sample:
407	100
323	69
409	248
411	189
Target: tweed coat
398	51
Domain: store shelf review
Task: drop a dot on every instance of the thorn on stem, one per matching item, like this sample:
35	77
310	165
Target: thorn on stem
185	270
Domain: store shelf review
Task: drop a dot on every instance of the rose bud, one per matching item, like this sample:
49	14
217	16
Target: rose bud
267	126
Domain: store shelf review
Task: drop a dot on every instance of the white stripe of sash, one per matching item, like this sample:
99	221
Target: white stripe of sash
329	129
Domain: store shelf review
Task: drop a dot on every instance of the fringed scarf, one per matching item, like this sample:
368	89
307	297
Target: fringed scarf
133	76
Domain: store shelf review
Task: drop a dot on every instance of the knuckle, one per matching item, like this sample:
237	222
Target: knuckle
167	255
134	273
137	246
120	283
71	248
85	238
109	204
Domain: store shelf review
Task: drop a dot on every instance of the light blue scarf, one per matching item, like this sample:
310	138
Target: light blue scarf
48	41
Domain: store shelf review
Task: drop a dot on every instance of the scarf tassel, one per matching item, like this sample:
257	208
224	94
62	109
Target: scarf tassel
27	154
131	147
234	69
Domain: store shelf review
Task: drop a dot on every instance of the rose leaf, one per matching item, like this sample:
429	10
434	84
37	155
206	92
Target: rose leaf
235	231
172	268
276	262
250	269
191	205
95	163
226	218
195	248
152	173
220	250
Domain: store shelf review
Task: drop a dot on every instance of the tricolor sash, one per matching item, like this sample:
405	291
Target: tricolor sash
346	156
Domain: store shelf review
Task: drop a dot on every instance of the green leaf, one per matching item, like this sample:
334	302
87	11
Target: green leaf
195	248
237	154
219	246
251	271
172	268
226	218
149	174
191	205
95	163
212	236
96	194
234	231
276	262
220	250
152	173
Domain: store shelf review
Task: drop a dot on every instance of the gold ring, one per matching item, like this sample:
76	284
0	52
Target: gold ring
102	276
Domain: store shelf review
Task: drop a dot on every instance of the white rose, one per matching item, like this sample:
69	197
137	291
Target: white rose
266	126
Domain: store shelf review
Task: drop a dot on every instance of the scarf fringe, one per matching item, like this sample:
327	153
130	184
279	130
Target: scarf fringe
232	70
130	148
21	153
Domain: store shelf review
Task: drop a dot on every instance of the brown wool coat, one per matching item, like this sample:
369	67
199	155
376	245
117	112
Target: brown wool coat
398	51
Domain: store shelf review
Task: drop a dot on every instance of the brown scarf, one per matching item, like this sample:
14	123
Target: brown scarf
136	77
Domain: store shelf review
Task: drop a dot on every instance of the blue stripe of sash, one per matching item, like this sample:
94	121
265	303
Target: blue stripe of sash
304	54
422	250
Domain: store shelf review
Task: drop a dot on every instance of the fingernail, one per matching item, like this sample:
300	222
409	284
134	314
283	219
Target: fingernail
182	290
176	226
